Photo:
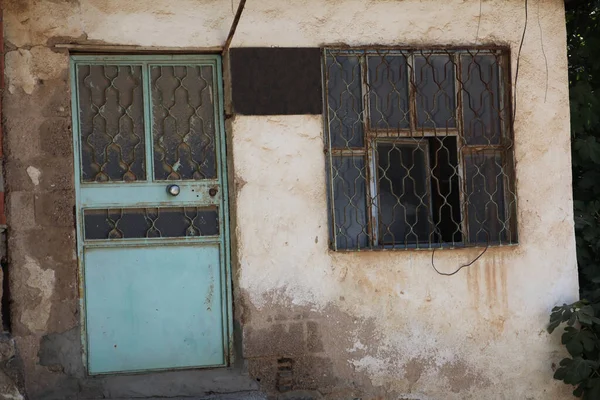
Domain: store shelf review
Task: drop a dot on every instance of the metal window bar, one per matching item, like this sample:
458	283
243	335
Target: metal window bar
419	148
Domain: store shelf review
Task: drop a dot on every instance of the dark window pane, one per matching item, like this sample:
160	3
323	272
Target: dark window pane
443	155
349	202
111	123
403	200
481	99
434	86
127	223
183	122
388	92
487	217
344	101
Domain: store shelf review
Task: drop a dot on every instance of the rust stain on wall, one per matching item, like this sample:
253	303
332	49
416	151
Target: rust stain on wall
473	286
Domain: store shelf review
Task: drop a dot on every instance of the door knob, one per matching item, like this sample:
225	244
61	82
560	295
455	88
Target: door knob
173	190
212	192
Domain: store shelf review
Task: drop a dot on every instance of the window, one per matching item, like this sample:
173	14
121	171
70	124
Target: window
420	149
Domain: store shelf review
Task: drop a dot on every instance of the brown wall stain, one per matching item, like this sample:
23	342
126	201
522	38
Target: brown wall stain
461	377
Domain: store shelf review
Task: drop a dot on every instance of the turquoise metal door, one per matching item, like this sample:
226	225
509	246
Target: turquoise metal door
152	212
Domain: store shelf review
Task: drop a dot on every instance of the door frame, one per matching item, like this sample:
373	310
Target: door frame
222	176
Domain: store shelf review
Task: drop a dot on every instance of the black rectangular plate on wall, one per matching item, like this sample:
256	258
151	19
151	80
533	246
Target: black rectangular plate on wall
276	80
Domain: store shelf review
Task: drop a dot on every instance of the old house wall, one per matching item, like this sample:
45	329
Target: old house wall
348	324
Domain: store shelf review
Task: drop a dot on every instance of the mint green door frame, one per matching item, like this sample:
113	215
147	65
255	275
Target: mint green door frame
152	193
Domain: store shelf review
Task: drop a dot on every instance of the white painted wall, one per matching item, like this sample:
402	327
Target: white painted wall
489	319
479	334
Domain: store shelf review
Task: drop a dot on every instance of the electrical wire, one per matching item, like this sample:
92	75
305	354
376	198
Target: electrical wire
234	25
543	51
514	117
462	266
519	59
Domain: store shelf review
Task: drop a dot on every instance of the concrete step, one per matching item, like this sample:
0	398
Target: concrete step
228	396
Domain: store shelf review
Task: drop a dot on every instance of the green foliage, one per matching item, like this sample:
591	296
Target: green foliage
581	335
583	40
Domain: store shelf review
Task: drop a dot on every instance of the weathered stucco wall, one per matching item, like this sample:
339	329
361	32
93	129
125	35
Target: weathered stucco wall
366	324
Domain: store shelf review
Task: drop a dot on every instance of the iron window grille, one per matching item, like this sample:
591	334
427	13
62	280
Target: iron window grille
419	147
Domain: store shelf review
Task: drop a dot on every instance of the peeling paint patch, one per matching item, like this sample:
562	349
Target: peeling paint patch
211	290
26	68
177	165
36	318
28	23
18	71
34	175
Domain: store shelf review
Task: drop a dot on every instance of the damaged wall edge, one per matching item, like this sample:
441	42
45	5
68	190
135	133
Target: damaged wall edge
12	383
5	298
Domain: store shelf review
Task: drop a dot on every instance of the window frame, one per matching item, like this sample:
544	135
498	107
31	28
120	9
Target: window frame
372	135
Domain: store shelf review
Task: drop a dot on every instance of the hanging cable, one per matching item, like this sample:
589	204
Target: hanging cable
518	61
464	265
234	25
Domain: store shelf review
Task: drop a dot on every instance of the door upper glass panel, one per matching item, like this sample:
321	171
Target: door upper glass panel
183	122
146	122
111	115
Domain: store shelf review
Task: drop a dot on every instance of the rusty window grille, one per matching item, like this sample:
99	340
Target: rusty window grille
420	148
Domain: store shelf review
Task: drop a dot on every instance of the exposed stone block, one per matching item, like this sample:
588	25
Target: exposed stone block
304	373
7	348
301	395
40	174
16	176
55	209
9	389
314	343
56	139
277	340
50	245
21	211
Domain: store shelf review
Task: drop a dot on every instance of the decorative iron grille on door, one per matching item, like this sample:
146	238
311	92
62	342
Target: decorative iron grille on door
420	148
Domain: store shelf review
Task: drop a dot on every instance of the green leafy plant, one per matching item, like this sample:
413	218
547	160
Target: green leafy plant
583	40
581	337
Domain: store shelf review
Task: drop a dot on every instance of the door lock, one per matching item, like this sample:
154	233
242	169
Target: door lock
212	192
173	190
